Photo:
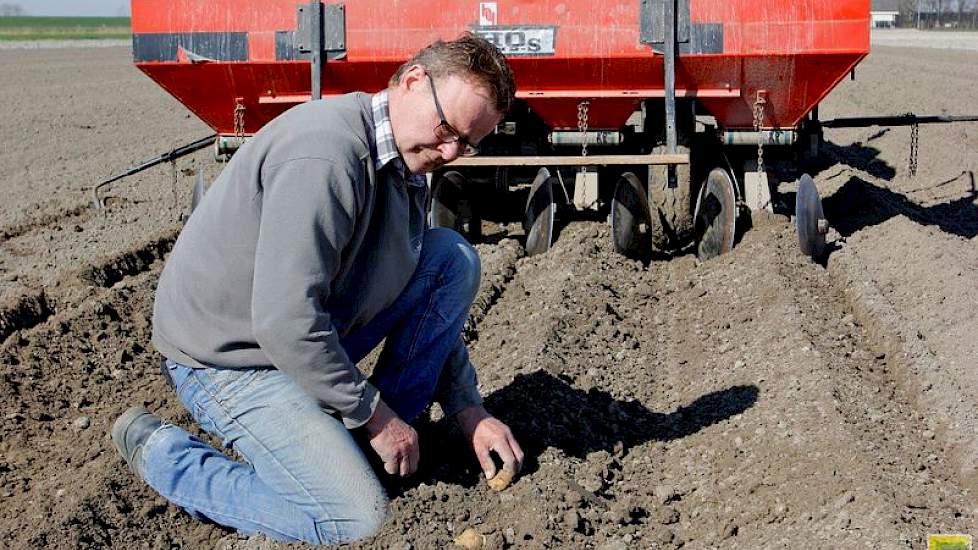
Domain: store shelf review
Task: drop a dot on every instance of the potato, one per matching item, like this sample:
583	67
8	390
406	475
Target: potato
470	539
501	480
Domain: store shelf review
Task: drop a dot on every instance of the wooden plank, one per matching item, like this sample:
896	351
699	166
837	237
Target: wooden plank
590	160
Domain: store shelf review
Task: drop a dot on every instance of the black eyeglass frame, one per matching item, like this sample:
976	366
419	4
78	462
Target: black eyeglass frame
445	131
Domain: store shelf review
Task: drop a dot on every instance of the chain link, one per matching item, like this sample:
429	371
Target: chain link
239	125
914	141
759	102
173	185
582	116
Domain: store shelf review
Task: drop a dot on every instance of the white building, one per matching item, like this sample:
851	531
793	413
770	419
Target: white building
884	13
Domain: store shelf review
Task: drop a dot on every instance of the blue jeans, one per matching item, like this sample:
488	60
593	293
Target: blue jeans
306	478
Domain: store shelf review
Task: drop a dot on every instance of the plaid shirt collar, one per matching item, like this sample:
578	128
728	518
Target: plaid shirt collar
384	141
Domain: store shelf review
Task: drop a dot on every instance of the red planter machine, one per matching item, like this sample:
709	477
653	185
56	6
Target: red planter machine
629	90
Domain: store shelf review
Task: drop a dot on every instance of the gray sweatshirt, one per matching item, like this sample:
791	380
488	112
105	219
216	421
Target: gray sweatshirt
299	242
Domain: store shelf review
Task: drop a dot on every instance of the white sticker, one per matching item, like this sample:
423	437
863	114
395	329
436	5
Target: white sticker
521	40
488	14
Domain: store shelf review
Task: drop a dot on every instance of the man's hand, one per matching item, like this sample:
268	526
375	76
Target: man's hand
393	440
486	433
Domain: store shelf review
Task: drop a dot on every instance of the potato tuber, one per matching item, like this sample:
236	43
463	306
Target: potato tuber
470	539
501	480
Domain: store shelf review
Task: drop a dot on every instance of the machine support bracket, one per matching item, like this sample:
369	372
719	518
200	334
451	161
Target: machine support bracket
757	188
321	33
670	86
653	21
586	190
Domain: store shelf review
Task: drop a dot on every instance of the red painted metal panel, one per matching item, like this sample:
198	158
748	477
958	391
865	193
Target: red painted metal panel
796	50
261	46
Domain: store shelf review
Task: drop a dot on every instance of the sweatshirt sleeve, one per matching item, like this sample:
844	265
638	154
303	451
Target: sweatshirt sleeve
308	211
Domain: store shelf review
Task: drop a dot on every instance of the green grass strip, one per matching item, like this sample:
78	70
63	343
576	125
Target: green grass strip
64	28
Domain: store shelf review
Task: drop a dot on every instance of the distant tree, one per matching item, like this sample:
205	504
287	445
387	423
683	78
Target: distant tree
908	13
966	13
10	10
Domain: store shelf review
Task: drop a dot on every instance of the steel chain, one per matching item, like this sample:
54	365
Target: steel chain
239	126
914	142
759	103
173	184
582	121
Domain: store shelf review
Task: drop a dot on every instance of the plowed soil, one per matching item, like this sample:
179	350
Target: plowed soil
757	400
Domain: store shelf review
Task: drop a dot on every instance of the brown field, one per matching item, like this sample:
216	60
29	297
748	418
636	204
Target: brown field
758	400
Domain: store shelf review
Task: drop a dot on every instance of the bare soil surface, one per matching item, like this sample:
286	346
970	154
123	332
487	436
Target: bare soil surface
758	400
945	40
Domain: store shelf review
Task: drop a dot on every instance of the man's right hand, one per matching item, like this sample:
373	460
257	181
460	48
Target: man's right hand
393	440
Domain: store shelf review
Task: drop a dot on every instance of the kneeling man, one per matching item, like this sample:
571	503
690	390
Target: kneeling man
307	252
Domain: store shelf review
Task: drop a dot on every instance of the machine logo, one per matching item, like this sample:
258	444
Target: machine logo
520	39
514	39
488	14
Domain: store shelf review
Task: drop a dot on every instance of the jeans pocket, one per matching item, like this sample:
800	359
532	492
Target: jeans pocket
232	388
224	384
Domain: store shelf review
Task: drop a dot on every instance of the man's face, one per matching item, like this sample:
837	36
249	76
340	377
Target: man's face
414	118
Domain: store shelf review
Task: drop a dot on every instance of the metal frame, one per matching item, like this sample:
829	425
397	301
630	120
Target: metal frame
321	34
590	160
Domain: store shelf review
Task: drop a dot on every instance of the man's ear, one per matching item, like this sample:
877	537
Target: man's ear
412	77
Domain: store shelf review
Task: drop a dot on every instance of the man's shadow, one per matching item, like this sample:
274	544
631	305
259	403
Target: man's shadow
545	411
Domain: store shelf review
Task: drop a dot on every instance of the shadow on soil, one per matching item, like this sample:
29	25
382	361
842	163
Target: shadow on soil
859	204
856	155
546	411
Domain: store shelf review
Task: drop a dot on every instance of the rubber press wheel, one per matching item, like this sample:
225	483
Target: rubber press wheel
631	231
451	206
715	215
540	211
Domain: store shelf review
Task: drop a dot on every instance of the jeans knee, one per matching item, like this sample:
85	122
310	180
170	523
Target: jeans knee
363	519
471	268
462	265
373	519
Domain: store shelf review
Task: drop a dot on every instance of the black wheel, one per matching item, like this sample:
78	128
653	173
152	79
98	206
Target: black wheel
631	230
538	221
810	221
451	206
715	215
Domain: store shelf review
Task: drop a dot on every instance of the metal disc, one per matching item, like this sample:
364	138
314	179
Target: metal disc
630	221
715	215
446	201
539	220
809	218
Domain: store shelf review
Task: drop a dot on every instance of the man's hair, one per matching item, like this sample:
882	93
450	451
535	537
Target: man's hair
469	57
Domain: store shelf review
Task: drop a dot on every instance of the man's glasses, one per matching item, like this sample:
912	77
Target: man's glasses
444	131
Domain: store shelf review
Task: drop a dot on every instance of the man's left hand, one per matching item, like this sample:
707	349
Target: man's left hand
487	433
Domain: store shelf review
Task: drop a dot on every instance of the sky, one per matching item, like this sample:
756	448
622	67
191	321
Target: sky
73	7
